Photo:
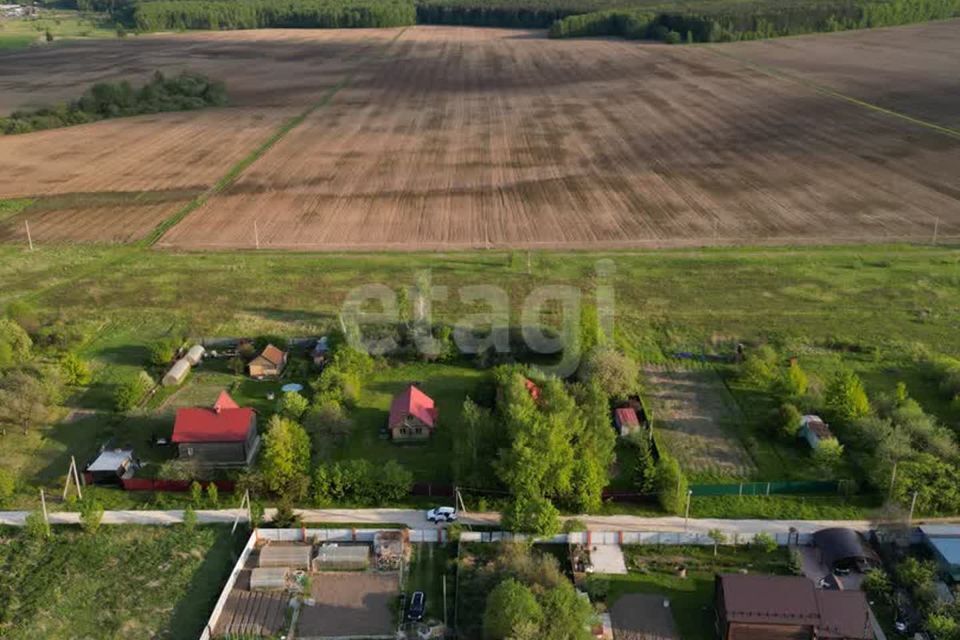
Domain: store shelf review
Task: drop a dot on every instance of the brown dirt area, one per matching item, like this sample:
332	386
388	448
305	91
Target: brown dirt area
913	70
642	616
349	604
468	138
691	409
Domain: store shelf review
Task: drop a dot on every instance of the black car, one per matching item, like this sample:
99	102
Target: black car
418	606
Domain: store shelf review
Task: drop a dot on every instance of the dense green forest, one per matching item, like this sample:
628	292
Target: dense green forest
114	100
672	21
730	21
251	14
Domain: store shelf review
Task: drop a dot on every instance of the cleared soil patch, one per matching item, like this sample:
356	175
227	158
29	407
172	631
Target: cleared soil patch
107	224
261	68
184	151
913	69
480	137
349	604
693	414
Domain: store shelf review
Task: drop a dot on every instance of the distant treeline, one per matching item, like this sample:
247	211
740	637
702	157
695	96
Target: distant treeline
114	100
730	22
670	21
252	14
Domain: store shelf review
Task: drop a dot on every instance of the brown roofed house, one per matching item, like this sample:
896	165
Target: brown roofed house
757	607
269	363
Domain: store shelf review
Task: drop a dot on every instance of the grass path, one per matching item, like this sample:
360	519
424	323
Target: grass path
237	170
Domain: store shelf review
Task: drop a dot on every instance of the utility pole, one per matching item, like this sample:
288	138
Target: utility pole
256	234
913	504
43	505
936	229
29	237
444	601
686	518
893	478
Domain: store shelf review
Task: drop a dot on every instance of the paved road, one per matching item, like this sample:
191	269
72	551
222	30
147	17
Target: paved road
416	519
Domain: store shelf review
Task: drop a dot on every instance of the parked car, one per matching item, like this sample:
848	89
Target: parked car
442	514
418	606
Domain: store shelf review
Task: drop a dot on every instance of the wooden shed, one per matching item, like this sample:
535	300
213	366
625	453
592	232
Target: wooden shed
293	556
332	557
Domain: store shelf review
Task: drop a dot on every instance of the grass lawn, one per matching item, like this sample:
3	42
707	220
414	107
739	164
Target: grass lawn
430	461
63	25
125	582
427	567
653	570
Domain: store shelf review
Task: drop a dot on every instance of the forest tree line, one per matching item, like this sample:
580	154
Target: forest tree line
733	22
688	21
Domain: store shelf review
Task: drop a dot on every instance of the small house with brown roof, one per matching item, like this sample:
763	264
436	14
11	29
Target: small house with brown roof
626	420
269	363
759	607
413	415
224	435
814	430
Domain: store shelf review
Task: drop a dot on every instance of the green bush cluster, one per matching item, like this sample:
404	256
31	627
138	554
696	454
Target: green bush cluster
361	482
253	14
114	100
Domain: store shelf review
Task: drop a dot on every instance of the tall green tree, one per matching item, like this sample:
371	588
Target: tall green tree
671	485
512	613
846	398
286	455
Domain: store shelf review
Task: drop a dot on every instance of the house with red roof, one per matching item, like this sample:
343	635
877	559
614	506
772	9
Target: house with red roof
626	420
224	435
413	415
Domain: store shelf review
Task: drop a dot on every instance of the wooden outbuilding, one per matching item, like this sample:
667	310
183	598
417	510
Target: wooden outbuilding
269	363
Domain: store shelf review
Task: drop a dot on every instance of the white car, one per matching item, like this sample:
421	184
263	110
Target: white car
442	514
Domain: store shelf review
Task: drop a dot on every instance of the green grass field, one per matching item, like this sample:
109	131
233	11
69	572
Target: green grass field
430	461
19	33
870	308
124	582
427	567
652	569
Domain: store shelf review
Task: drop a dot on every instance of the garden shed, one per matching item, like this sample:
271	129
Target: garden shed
269	579
841	548
177	373
332	557
294	556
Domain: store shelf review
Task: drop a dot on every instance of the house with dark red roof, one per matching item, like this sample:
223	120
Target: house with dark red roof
224	435
413	415
759	607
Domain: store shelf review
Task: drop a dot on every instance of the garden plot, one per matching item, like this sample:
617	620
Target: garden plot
696	420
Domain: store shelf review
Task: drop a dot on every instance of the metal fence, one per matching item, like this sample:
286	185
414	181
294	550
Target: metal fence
595	538
766	488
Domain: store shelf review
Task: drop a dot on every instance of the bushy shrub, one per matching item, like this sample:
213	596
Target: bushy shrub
111	100
129	394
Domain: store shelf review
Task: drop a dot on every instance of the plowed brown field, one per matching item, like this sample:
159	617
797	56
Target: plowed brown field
461	138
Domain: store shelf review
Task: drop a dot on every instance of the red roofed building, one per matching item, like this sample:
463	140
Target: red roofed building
223	435
532	389
626	420
413	415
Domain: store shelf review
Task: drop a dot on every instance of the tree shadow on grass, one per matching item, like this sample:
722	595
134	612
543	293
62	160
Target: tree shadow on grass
192	611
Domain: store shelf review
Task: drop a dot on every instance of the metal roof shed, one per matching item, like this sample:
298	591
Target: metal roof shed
841	547
269	579
295	556
342	558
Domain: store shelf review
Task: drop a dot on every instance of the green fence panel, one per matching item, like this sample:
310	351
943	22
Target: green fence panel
766	488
